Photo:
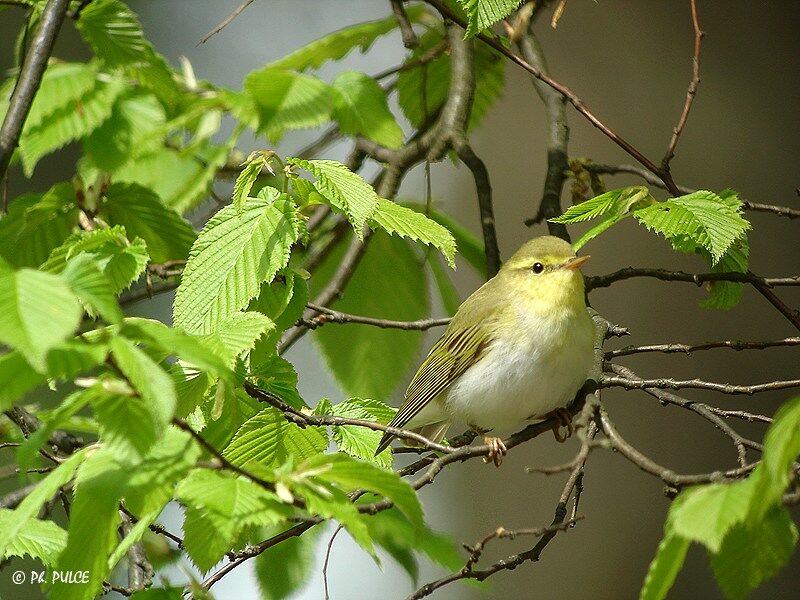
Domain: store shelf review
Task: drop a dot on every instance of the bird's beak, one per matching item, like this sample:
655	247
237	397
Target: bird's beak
576	263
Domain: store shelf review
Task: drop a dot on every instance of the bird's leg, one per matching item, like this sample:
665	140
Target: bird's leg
564	420
497	449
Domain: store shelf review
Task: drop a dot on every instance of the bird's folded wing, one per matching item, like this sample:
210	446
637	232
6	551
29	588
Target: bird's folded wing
453	354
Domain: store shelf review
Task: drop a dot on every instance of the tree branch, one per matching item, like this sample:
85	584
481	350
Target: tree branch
697	384
690	92
601	281
225	22
688	349
328	315
557	137
30	77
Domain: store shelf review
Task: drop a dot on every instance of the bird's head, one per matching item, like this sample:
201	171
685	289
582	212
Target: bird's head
546	271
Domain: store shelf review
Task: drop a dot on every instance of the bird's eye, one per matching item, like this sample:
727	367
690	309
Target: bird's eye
537	268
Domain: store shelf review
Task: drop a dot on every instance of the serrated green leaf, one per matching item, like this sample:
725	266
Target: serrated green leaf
724	295
701	216
361	442
597	206
344	189
37	312
233	255
665	567
753	553
219	507
781	449
74	356
173	341
29	507
62	83
339	44
259	439
360	108
121	260
707	513
72	120
113	32
130	131
470	246
94	517
277	375
490	69
126	423
152	383
167	234
92	287
285	100
349	473
482	14
388	283
406	222
36	224
240	332
246	178
43	540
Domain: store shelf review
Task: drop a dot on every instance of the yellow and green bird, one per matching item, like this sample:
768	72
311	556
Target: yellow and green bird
519	348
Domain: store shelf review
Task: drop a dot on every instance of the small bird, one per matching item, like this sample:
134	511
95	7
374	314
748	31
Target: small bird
519	348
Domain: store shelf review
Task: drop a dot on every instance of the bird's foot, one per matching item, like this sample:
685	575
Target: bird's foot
564	420
497	450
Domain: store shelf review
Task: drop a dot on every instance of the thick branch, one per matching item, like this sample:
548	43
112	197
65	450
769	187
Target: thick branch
30	77
557	137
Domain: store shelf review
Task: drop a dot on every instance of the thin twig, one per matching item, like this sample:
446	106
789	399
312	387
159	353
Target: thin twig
225	22
737	345
333	316
697	384
327	560
30	77
690	92
600	281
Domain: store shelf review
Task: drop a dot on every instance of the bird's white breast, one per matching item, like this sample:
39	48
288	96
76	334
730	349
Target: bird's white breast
517	380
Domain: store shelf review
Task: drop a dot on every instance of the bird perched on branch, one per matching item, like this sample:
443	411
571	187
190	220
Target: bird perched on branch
519	348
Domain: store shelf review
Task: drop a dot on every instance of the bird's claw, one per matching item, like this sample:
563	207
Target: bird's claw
564	420
497	450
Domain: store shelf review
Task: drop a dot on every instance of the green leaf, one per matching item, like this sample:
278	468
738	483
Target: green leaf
406	222
113	32
344	189
218	508
724	295
43	540
665	567
422	90
94	517
489	82
781	449
17	378
339	44
232	256
173	341
127	425
388	283
284	100
451	299
244	182
240	332
37	312
92	287
705	514
296	557
70	121
754	552
702	216
121	260
482	14
619	200
360	108
37	223
277	375
29	508
167	234
361	442
132	130
62	83
151	381
259	439
351	474
470	246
